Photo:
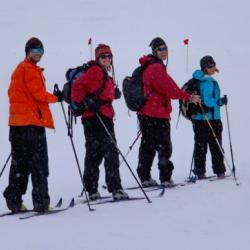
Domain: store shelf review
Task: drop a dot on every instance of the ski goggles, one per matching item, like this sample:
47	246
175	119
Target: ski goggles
211	66
37	51
105	56
161	49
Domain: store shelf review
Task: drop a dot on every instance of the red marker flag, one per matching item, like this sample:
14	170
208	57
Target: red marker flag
90	41
186	41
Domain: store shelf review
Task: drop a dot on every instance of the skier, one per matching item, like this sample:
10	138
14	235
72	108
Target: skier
95	91
154	117
210	96
29	116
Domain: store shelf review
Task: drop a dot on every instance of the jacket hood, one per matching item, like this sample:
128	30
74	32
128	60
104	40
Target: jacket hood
145	59
92	62
199	75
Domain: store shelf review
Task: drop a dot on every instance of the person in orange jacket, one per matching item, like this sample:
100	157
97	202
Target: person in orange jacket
29	115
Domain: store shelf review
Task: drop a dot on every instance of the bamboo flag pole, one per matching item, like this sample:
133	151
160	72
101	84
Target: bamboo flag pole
90	44
186	42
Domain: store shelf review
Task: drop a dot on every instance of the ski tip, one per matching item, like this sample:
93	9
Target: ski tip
72	203
162	192
59	203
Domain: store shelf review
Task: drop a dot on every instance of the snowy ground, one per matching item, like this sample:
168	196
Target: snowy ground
204	215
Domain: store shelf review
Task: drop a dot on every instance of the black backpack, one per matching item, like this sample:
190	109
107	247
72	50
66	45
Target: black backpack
187	108
133	90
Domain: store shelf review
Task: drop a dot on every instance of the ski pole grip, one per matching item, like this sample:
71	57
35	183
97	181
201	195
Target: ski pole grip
225	96
56	88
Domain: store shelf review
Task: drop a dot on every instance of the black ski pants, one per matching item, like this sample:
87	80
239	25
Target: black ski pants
155	138
29	156
99	146
203	138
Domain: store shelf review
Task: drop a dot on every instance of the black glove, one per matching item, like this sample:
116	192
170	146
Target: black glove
118	93
91	104
222	101
78	108
59	94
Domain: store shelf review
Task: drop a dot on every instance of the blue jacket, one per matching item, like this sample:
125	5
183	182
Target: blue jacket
210	94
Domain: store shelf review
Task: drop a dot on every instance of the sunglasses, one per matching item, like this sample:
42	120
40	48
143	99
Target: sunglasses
163	49
106	56
37	51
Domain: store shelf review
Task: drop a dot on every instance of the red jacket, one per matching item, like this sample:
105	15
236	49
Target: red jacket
88	83
161	89
28	98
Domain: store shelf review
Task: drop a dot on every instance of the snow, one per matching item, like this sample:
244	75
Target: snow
204	215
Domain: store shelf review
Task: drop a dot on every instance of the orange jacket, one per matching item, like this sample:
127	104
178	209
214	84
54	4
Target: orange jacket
28	97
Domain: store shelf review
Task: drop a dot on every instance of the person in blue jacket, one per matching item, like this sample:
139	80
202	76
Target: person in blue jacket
203	137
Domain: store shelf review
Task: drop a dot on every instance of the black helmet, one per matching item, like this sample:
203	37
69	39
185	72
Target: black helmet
33	43
156	43
207	61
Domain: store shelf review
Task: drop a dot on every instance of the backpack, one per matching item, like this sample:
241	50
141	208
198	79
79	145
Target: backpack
71	75
187	108
133	89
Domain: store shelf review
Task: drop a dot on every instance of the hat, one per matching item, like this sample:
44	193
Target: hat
102	49
33	43
207	61
156	43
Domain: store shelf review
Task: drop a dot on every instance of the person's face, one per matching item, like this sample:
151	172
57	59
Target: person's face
105	60
162	52
35	54
210	70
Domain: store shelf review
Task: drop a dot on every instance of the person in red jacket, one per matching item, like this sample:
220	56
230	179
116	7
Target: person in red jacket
94	91
154	117
28	118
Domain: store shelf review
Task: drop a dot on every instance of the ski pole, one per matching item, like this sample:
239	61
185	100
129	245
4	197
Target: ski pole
191	167
230	142
5	164
216	139
124	159
74	150
131	146
178	119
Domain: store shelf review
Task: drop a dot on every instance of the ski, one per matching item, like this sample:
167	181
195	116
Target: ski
99	199
14	213
194	178
180	184
146	189
105	201
59	203
54	210
220	179
157	187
